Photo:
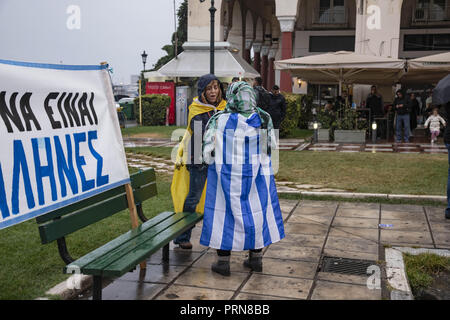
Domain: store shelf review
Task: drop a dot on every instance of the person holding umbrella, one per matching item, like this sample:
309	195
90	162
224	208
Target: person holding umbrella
441	96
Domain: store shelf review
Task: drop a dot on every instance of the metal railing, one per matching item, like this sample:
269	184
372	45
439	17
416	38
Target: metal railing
436	13
332	15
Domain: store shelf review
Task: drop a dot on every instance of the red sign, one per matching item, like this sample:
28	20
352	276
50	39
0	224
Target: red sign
167	88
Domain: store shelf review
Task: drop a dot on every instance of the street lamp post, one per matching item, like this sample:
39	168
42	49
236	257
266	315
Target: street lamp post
144	60
212	11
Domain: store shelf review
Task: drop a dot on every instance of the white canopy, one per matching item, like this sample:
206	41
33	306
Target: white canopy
430	68
344	66
194	62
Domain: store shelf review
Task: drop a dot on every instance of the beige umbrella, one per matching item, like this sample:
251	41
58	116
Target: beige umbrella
428	69
344	67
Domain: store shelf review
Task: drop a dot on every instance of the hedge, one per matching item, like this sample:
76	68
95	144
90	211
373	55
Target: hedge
153	109
298	113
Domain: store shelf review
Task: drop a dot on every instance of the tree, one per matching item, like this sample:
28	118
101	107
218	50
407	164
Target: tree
182	37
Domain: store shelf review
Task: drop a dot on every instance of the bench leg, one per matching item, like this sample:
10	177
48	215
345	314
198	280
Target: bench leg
165	256
97	289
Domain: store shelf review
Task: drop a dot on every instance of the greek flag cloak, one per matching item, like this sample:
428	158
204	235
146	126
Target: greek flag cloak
242	210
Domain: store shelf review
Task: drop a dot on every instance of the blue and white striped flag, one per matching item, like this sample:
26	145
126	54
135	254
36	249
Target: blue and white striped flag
242	210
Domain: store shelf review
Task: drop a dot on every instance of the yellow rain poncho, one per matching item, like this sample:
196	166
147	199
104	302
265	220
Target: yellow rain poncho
180	182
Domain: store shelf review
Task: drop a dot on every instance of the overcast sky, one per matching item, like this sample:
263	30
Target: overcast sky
116	31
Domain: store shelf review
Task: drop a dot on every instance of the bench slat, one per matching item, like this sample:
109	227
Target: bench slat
101	263
144	250
70	223
81	204
99	252
142	178
145	192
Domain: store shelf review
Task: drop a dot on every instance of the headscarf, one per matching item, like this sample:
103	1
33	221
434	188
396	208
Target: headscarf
241	98
203	82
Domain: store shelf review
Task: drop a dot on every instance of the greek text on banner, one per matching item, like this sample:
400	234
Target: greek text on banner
60	138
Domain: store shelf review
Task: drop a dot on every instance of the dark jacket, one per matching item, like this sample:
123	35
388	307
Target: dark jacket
375	103
277	109
414	110
402	110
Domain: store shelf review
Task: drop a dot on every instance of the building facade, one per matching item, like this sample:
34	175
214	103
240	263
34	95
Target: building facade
268	30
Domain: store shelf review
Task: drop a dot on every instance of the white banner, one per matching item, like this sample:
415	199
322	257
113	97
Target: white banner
60	138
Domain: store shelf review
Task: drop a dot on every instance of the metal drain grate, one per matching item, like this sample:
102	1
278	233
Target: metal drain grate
346	266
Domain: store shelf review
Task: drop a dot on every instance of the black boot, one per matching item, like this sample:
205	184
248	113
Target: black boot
254	261
222	265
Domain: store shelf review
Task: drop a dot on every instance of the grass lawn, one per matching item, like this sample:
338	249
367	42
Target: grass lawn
29	269
165	132
157	132
421	268
392	173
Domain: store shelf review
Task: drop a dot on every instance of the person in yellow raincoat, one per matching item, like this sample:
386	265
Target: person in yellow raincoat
190	173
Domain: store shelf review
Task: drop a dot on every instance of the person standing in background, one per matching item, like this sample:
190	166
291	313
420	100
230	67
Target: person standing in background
447	144
401	109
374	102
277	107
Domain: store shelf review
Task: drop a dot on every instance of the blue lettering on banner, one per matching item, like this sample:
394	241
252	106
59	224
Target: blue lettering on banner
101	180
85	184
65	166
3	204
20	164
43	171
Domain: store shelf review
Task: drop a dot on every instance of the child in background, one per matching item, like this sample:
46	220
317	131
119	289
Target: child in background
435	121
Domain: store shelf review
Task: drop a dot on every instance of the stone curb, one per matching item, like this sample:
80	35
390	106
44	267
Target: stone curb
368	195
396	273
81	282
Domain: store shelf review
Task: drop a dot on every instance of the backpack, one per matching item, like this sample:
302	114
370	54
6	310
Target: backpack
262	98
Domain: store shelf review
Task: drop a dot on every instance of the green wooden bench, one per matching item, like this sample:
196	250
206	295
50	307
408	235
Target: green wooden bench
122	254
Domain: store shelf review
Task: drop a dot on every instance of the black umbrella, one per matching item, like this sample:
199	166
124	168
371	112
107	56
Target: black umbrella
441	94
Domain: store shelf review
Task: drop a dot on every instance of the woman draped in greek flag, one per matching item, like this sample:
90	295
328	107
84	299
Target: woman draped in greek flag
242	211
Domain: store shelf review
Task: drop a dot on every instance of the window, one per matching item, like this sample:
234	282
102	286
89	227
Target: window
426	42
431	10
332	11
331	43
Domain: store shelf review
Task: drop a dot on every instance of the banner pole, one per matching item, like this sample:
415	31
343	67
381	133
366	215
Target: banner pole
133	213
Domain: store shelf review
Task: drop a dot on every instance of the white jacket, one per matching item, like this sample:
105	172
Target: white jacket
434	122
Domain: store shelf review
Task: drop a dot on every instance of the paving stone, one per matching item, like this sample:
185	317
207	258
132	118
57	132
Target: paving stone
308	186
179	292
442	239
436	214
289	268
325	290
278	286
322	204
316	211
176	257
303	228
250	296
440	226
129	290
292	251
206	278
419	225
401	207
344	278
355	222
402	215
361	206
284	189
236	261
350	254
393	236
162	273
310	219
305	240
358	245
287	205
357	213
354	233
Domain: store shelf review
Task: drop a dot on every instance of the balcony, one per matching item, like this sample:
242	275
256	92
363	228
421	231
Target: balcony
434	15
